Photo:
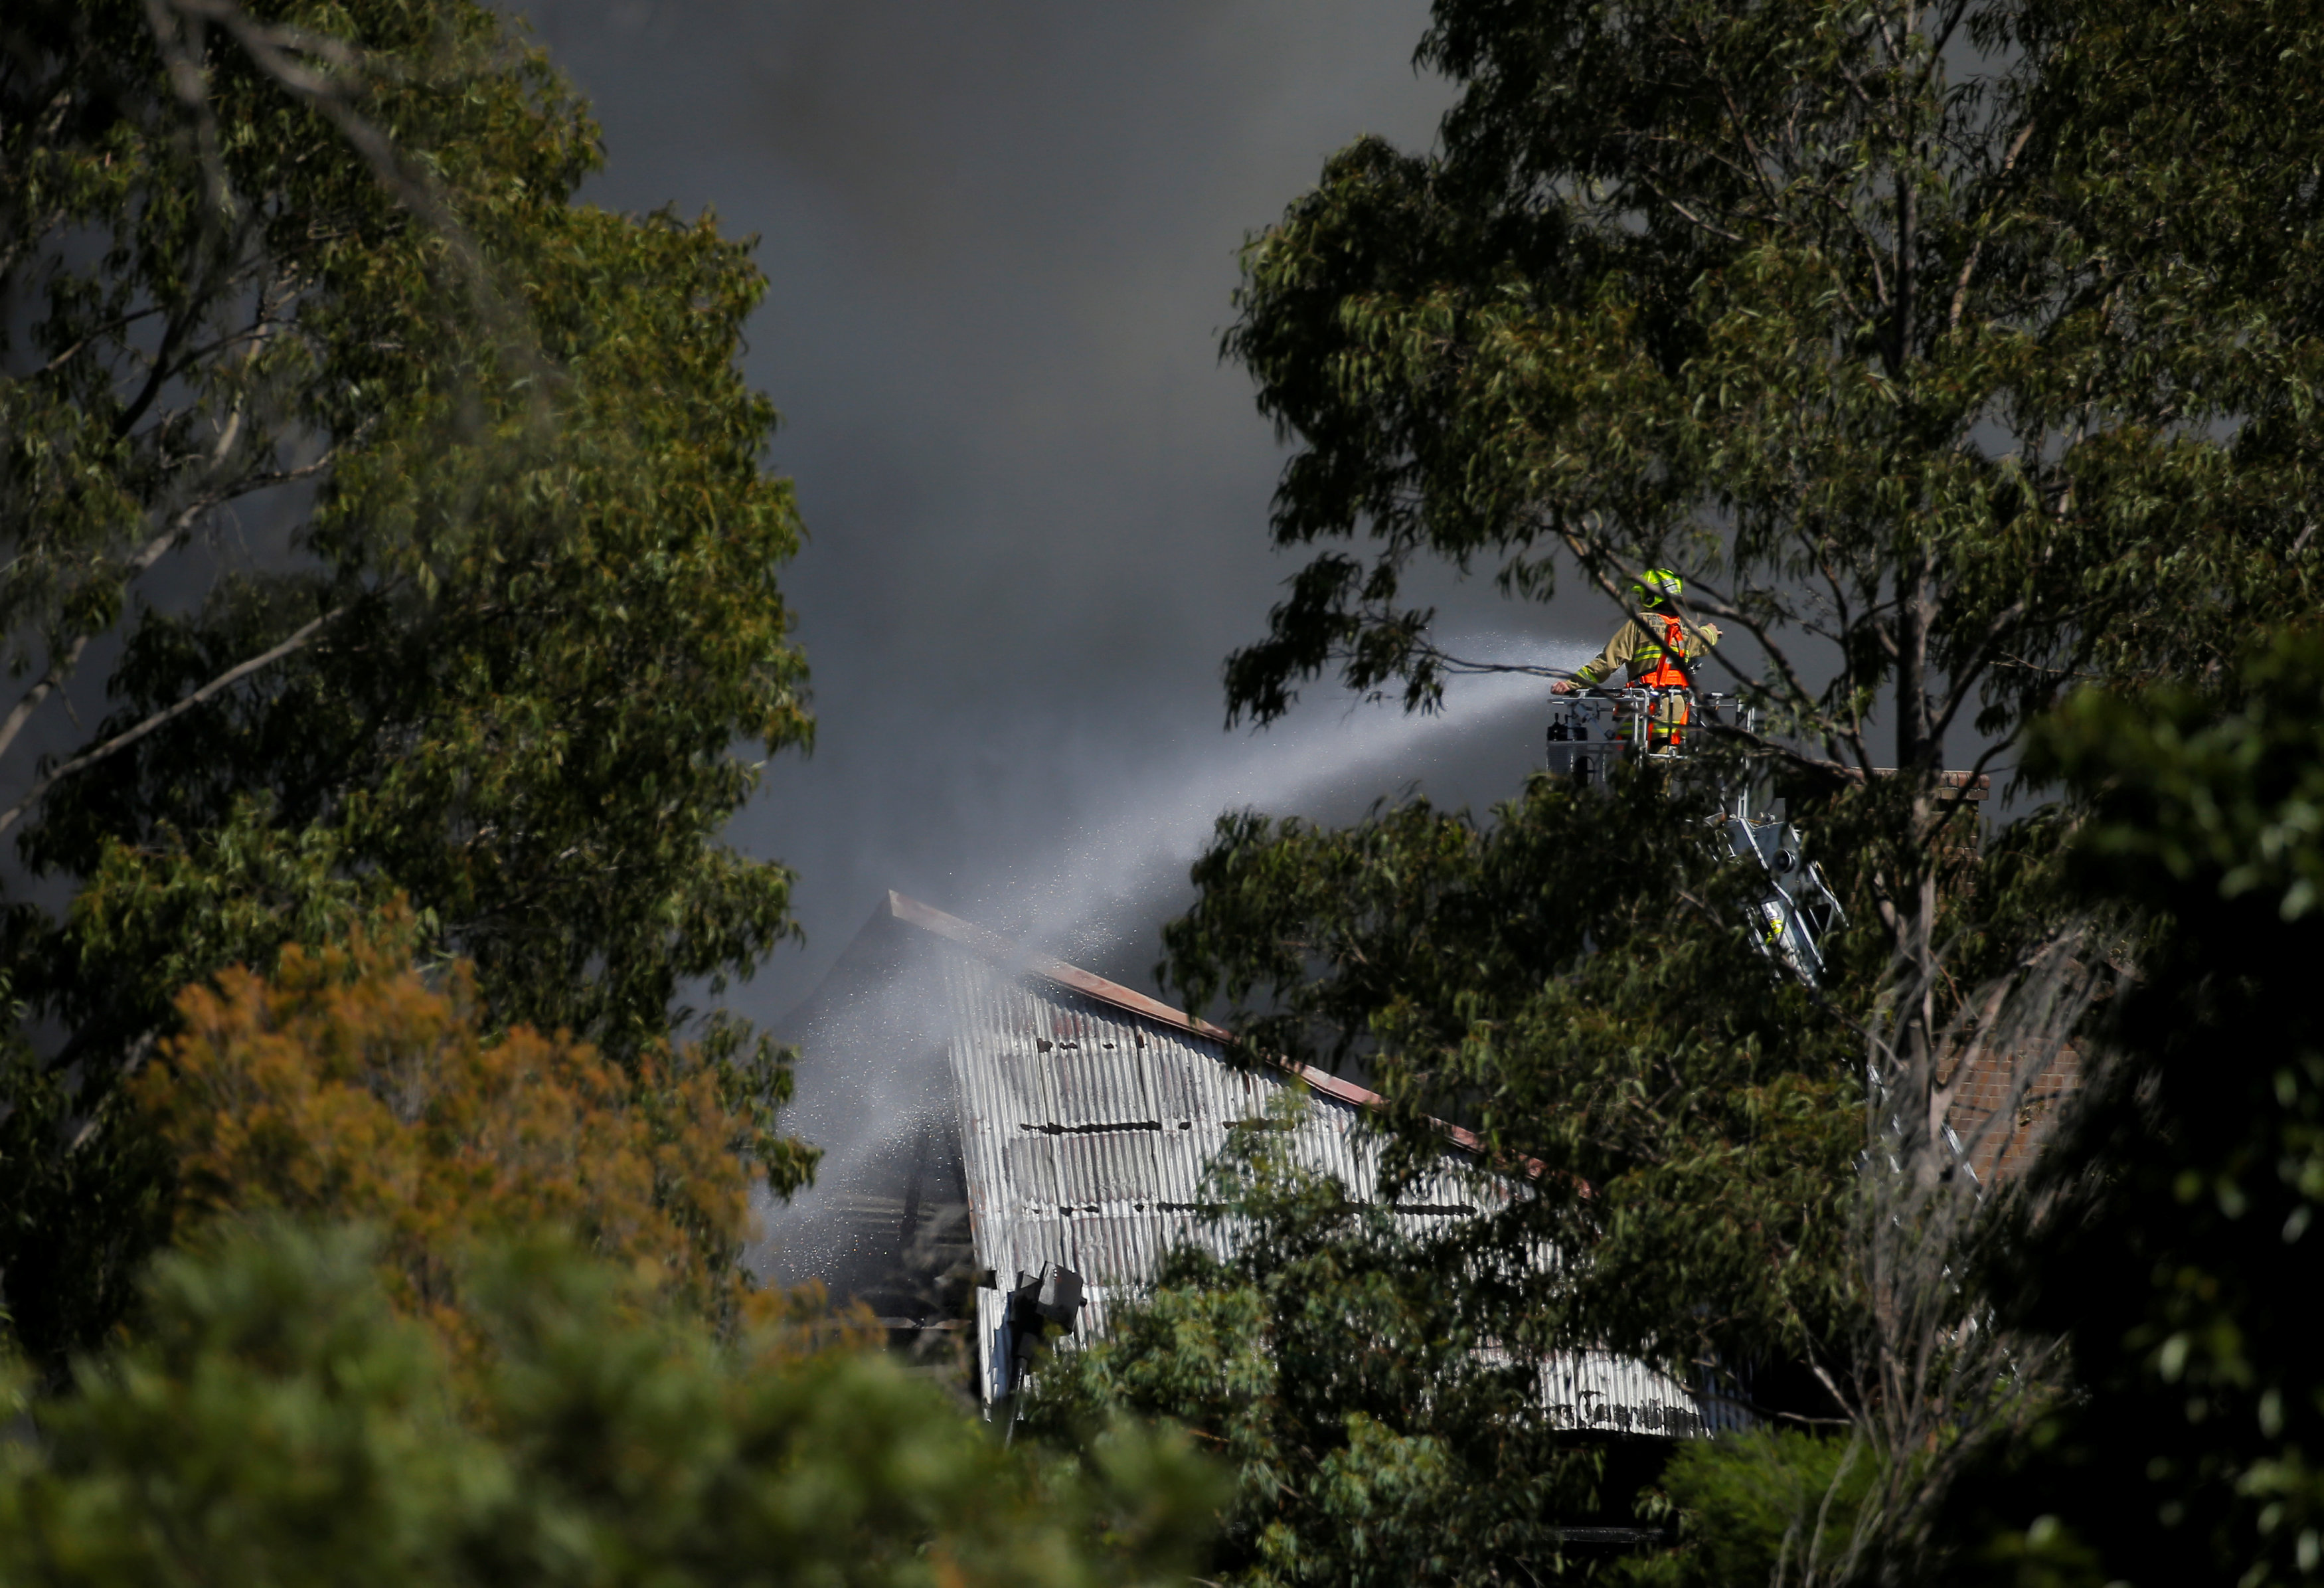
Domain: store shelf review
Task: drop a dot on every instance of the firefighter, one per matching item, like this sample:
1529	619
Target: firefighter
1658	646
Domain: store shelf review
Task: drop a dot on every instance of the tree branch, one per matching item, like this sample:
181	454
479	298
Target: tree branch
162	718
62	668
1976	249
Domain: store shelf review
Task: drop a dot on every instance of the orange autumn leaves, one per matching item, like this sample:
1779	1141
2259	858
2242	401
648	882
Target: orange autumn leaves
349	1087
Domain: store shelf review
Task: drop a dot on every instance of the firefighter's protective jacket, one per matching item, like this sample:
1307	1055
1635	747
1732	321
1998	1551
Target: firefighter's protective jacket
1640	649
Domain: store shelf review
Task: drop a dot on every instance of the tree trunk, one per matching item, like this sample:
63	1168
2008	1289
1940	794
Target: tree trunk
1918	759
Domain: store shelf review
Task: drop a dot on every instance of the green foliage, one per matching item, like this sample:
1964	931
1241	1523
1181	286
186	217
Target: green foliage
1774	1505
1372	1390
501	619
1917	338
554	549
276	1423
172	914
1928	342
1949	355
2174	1251
1955	356
1692	1109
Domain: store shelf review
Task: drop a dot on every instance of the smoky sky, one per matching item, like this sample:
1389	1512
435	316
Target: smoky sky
1000	241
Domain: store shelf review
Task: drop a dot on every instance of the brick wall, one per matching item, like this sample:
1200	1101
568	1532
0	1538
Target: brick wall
2008	1144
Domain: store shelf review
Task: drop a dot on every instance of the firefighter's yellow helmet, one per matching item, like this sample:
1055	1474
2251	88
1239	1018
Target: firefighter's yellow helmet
1656	585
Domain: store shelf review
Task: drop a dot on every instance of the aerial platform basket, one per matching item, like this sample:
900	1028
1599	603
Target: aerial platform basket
1594	728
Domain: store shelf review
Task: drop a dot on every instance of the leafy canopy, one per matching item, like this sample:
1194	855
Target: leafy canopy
2182	1203
413	518
347	1088
1692	1109
535	529
1370	1388
1929	341
277	1422
1956	354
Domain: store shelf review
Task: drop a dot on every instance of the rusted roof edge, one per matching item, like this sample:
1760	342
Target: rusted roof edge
1010	956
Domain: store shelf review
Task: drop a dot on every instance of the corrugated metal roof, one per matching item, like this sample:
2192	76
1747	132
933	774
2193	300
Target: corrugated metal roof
1089	1114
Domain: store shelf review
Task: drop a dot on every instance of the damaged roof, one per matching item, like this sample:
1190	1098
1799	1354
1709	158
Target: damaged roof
1088	1113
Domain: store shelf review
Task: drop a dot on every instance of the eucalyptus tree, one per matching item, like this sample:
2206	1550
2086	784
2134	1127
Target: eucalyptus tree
380	521
1958	355
1955	351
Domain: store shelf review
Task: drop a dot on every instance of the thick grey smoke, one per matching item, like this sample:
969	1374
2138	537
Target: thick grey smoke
1001	239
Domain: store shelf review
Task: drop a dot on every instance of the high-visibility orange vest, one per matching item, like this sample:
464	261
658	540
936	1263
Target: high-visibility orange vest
1666	673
